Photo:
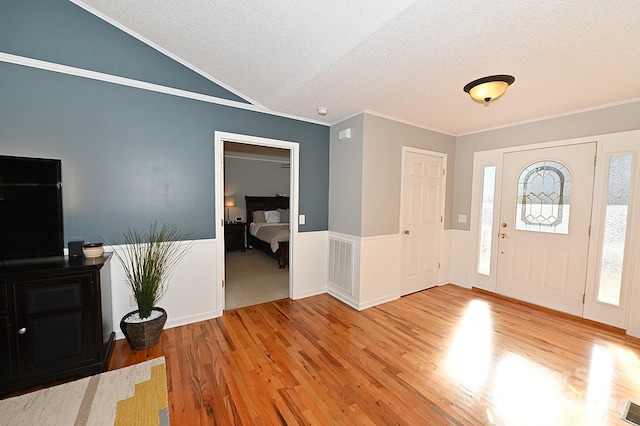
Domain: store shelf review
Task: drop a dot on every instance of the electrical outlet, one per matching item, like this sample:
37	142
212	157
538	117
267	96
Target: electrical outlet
462	218
132	301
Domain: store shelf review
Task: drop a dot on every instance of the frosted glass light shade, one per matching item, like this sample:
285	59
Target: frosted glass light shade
229	201
490	88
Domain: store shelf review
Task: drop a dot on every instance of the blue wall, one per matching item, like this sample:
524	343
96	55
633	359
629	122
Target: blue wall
129	156
61	32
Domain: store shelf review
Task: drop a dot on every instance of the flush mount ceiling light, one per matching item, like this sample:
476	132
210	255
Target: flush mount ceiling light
487	89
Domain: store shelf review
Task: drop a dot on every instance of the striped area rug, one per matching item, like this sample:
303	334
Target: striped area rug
132	396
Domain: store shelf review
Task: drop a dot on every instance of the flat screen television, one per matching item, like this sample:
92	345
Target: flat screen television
30	208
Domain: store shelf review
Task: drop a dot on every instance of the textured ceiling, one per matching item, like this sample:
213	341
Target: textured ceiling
404	59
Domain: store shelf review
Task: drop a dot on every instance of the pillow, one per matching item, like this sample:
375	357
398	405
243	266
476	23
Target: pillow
272	216
259	217
284	215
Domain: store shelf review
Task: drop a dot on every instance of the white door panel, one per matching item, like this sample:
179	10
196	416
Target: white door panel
421	221
544	234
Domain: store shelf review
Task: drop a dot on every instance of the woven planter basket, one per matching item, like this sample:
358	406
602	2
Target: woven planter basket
146	334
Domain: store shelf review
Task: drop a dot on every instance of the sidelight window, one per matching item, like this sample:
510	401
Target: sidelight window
486	220
615	229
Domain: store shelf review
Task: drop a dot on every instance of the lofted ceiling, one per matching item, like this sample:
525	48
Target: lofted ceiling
404	59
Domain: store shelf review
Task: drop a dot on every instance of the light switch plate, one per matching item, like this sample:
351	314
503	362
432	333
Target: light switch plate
302	219
462	218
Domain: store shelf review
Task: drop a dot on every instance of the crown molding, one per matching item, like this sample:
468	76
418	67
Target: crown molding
551	117
123	81
165	52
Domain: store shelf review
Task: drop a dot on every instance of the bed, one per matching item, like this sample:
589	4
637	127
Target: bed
270	237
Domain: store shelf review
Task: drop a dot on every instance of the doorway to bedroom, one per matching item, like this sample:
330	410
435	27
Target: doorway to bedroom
257	193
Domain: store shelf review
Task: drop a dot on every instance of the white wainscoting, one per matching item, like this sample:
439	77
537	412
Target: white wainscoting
191	296
192	293
309	264
380	270
445	257
376	271
459	263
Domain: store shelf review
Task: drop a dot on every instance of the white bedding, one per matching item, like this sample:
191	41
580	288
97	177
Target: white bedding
272	233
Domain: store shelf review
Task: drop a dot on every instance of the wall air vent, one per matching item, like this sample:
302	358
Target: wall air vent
341	265
631	413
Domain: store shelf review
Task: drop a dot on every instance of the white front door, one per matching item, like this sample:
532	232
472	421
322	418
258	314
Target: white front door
421	220
545	215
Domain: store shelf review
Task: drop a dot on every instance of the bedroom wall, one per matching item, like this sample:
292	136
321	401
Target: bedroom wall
613	119
254	177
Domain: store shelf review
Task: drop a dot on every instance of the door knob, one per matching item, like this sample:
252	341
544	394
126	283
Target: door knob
503	235
406	232
22	330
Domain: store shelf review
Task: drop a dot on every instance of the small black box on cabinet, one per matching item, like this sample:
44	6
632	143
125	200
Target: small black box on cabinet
75	248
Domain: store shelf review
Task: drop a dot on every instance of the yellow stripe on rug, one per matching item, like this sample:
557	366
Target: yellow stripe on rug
148	405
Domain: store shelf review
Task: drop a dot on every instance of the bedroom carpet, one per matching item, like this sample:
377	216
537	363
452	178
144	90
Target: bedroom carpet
253	278
131	396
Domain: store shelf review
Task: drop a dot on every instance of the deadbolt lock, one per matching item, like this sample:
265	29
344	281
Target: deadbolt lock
406	232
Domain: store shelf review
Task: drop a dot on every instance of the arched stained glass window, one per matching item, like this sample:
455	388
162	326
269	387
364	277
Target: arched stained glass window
544	198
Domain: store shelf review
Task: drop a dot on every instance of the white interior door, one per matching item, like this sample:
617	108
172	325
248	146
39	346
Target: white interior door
545	215
421	220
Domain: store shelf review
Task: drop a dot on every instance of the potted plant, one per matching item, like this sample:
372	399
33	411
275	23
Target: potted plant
148	258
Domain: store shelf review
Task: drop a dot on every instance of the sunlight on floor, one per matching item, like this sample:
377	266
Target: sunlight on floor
469	356
519	391
601	374
526	393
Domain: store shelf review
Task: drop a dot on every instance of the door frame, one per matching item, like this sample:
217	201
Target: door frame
606	143
443	189
568	295
620	315
294	179
495	158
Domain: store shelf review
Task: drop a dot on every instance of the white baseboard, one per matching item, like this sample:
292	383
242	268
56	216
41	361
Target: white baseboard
347	300
379	301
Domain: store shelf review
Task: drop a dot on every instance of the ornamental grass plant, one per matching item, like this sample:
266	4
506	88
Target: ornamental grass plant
148	258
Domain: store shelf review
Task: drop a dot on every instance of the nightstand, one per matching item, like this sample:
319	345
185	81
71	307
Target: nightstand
234	236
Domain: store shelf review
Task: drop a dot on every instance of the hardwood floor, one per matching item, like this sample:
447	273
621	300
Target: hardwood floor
447	355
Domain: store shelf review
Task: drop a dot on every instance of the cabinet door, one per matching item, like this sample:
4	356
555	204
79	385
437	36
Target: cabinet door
54	324
6	369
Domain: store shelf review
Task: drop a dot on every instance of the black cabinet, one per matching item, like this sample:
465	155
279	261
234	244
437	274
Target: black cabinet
56	321
6	372
234	236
